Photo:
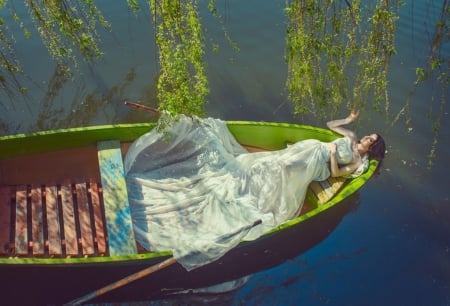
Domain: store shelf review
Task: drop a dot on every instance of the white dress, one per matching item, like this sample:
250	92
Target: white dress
195	191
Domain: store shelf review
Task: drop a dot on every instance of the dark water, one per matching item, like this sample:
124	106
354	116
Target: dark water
393	249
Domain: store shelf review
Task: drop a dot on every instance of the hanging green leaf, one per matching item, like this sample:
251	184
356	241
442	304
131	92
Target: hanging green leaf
334	56
182	84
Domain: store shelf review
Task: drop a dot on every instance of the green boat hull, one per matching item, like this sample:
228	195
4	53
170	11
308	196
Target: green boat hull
51	280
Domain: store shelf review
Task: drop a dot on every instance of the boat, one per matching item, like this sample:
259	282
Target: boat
65	225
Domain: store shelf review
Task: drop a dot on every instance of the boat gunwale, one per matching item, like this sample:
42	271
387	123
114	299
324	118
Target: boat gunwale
12	144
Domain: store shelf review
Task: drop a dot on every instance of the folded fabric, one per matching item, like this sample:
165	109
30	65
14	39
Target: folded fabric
195	191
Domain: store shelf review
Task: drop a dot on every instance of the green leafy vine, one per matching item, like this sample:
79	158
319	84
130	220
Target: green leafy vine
182	84
64	26
334	55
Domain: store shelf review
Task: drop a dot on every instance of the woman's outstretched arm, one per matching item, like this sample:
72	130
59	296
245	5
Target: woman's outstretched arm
336	125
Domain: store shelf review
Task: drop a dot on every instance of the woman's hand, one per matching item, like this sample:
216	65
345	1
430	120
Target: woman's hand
341	170
354	114
334	167
332	148
357	158
336	125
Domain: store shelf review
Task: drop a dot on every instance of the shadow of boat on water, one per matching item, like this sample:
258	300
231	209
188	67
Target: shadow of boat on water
216	283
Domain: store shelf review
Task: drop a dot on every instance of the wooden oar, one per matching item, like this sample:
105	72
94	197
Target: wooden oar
140	274
124	281
142	107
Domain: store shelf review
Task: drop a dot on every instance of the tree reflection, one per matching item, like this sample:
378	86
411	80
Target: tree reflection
99	103
68	29
435	69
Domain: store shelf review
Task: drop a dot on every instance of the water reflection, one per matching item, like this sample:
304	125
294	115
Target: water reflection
83	107
220	294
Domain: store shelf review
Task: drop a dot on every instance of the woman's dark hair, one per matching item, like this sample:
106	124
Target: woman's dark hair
377	149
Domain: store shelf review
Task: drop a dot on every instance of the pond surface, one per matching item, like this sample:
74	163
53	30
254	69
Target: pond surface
392	249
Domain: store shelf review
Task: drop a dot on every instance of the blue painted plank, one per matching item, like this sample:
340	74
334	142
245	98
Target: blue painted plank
121	239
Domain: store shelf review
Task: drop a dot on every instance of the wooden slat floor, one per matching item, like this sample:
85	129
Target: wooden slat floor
53	220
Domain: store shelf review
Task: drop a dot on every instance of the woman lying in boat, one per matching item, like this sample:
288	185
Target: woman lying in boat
348	155
195	190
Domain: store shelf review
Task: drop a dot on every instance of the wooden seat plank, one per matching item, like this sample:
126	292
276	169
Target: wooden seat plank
87	239
70	234
121	239
317	190
53	223
100	236
37	223
21	235
336	183
327	189
5	219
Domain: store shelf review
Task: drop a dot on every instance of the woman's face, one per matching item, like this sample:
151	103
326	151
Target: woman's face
368	140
